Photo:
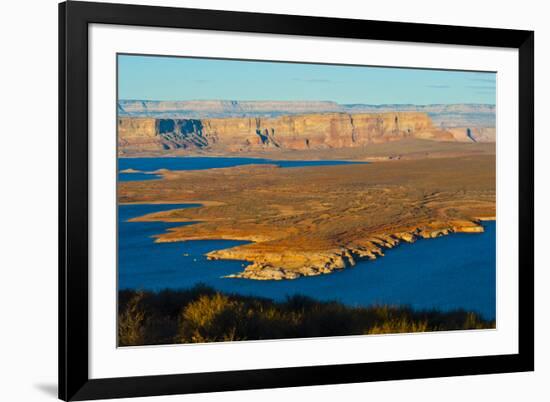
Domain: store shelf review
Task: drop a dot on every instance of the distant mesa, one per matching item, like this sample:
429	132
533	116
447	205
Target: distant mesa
443	115
221	108
130	170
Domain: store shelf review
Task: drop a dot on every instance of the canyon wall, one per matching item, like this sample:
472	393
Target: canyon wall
135	134
307	131
474	134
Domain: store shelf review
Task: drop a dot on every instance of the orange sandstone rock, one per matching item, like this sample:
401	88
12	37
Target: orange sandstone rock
296	132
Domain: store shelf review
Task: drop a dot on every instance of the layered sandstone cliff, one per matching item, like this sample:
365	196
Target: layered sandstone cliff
473	134
299	132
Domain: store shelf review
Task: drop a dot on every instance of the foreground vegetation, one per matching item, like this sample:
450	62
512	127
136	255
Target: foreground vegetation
202	314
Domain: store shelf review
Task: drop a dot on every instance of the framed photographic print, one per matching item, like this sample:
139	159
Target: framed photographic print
257	201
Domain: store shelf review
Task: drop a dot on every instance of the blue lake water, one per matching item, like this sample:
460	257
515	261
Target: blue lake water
200	163
450	272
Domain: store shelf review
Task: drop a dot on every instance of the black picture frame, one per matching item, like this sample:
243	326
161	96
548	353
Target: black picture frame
74	18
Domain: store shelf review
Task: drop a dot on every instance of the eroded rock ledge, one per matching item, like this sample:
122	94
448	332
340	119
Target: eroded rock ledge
292	266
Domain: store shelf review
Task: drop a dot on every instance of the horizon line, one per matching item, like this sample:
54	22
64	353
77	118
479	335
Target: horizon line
296	101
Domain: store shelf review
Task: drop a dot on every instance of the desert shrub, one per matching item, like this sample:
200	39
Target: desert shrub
473	321
131	320
398	326
213	318
169	302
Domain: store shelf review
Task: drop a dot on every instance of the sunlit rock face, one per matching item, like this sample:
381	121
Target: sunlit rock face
473	134
298	132
138	134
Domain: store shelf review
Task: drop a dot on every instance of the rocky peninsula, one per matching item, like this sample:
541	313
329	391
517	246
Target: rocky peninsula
310	221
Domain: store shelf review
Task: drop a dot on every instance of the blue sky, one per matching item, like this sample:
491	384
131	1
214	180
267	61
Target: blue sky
177	78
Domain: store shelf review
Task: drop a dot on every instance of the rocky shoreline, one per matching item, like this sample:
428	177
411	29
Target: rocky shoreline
321	263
